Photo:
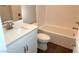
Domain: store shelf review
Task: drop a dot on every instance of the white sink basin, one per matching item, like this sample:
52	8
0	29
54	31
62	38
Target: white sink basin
13	34
17	31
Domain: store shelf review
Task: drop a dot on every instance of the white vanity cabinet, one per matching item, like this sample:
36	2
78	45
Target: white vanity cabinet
25	44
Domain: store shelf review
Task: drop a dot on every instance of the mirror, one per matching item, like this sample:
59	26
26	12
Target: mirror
10	12
16	12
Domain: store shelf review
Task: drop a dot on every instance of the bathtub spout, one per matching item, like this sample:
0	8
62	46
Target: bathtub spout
75	28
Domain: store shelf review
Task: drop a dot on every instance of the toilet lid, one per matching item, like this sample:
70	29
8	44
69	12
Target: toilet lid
43	36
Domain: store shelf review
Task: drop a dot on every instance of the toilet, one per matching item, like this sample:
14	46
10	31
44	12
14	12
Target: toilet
43	39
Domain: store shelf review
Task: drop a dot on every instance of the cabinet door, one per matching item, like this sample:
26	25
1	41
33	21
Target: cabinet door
31	42
17	46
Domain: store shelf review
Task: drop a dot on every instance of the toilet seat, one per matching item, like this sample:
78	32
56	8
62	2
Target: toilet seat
43	37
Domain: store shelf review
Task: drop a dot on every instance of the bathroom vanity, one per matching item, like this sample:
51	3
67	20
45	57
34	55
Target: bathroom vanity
21	39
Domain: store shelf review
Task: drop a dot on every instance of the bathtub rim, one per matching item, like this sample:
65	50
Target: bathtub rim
41	28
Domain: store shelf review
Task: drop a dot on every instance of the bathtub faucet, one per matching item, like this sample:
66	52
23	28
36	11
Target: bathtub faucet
75	28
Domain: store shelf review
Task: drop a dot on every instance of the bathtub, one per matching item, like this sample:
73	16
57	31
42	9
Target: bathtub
59	35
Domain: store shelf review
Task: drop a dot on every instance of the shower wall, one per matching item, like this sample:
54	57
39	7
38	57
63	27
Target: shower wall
60	15
63	16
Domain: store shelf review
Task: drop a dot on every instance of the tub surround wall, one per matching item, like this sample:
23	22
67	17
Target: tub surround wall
64	16
58	15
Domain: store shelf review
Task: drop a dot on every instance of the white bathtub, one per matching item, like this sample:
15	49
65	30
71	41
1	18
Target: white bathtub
61	36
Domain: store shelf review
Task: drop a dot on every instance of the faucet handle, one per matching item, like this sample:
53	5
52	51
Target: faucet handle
9	25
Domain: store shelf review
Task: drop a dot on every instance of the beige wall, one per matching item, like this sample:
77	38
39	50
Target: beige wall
28	13
64	16
40	14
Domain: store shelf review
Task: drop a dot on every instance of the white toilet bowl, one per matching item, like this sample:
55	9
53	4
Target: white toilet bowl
43	39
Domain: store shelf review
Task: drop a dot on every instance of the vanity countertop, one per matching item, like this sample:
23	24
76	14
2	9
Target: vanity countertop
15	33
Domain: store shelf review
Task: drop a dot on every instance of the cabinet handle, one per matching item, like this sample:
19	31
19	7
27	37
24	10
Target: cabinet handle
27	47
24	49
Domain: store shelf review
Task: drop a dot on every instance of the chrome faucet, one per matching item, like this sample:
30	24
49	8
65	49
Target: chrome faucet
9	25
